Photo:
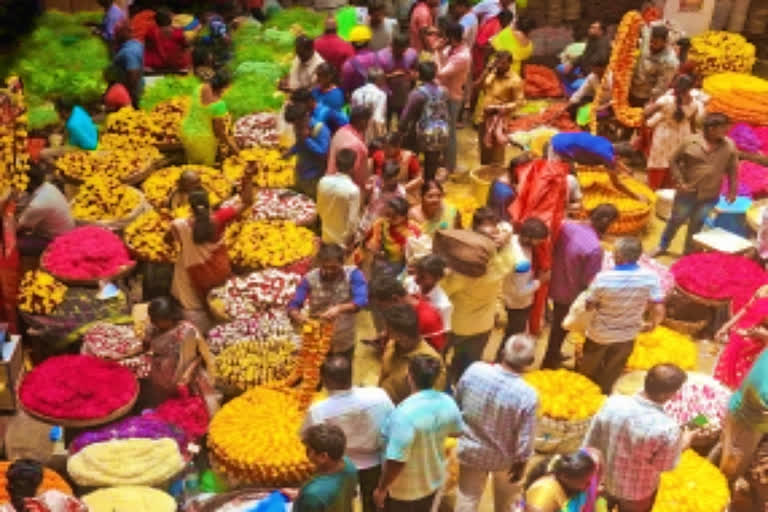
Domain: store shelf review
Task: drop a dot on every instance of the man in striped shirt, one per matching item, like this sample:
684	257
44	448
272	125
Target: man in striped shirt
619	299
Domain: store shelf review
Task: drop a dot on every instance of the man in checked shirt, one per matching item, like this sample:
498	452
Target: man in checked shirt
638	440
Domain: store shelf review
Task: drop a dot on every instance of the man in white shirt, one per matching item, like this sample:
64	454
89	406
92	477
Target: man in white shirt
338	201
373	96
47	215
383	29
361	412
304	65
426	282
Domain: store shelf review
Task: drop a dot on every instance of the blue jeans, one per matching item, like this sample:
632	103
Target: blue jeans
686	208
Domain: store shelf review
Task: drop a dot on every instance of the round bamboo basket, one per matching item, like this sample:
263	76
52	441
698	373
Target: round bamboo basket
85	423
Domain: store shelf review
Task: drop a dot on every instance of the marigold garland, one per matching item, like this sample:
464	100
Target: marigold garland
565	395
14	156
261	244
718	51
663	345
40	293
622	67
52	481
159	187
695	485
104	198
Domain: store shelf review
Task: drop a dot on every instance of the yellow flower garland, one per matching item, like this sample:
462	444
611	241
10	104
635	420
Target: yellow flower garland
742	97
14	157
40	293
104	198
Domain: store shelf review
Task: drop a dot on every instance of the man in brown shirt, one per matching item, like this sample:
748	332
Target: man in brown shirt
404	344
697	168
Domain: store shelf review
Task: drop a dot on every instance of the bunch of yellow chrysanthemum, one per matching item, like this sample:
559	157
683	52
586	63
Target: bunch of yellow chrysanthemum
273	170
565	395
117	163
104	198
40	293
146	238
695	485
159	187
663	345
254	439
718	51
262	244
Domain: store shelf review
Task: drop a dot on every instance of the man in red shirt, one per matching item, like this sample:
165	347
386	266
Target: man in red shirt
422	16
386	291
331	47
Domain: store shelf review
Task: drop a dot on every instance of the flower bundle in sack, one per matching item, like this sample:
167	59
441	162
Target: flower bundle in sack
716	51
565	395
553	115
40	293
259	129
283	204
77	387
135	427
103	199
111	341
753	180
166	117
273	171
695	485
145	236
52	481
151	462
118	163
86	253
662	345
541	82
719	276
247	364
700	396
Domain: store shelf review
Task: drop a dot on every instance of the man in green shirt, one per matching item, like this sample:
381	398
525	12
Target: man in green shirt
333	488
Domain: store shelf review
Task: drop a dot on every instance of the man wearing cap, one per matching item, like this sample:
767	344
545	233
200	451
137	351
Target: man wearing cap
354	73
331	47
698	168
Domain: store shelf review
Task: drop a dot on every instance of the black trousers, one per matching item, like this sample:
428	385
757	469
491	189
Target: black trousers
368	479
517	322
422	505
557	334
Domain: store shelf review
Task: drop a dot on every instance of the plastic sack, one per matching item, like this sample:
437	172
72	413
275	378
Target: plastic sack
82	131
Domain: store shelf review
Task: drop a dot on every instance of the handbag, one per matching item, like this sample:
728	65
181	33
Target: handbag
211	273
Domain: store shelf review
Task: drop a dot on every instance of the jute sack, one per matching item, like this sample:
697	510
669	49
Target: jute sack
465	252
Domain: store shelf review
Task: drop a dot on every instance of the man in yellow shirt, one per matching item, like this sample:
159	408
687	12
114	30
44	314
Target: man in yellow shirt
404	344
474	298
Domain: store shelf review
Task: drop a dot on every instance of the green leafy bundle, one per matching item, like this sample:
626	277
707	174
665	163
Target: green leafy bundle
168	87
310	22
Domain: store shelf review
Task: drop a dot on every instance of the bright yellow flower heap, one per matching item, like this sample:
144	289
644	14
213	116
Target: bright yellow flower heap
254	439
719	51
742	97
116	163
263	244
248	364
100	199
161	184
273	171
14	158
40	293
116	141
597	189
695	485
166	120
565	395
662	345
145	237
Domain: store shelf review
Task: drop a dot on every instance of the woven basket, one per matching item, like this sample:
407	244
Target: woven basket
116	224
72	281
560	436
715	303
93	422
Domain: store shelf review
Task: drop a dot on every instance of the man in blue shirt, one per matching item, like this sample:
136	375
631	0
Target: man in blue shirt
313	140
129	62
320	113
81	131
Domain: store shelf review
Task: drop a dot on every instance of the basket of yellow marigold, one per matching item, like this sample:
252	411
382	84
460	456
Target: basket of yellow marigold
273	171
255	244
161	184
124	164
106	202
146	238
719	51
567	403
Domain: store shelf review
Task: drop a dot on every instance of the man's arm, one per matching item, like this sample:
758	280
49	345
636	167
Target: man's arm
733	176
675	167
592	263
297	302
320	142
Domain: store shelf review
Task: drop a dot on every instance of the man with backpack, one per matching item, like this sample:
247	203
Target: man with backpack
453	64
425	121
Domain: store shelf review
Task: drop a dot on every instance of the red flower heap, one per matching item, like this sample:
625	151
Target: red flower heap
87	252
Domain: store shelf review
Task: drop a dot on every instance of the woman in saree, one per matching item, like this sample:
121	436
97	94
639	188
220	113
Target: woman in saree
178	353
389	235
23	479
203	263
433	213
565	483
205	130
744	337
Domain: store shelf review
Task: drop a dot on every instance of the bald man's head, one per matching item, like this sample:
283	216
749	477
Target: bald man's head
663	381
336	372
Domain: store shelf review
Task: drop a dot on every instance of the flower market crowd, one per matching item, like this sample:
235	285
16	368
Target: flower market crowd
265	205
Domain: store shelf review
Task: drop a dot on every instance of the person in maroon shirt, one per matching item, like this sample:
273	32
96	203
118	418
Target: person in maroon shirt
385	291
331	47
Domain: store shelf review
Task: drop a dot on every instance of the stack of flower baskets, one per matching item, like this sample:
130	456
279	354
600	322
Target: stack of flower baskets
78	391
242	297
567	403
105	201
701	396
117	343
741	96
720	51
253	439
597	189
663	345
263	244
161	185
52	481
272	323
695	485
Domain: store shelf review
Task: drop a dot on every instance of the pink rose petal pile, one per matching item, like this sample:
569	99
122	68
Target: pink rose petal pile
87	252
